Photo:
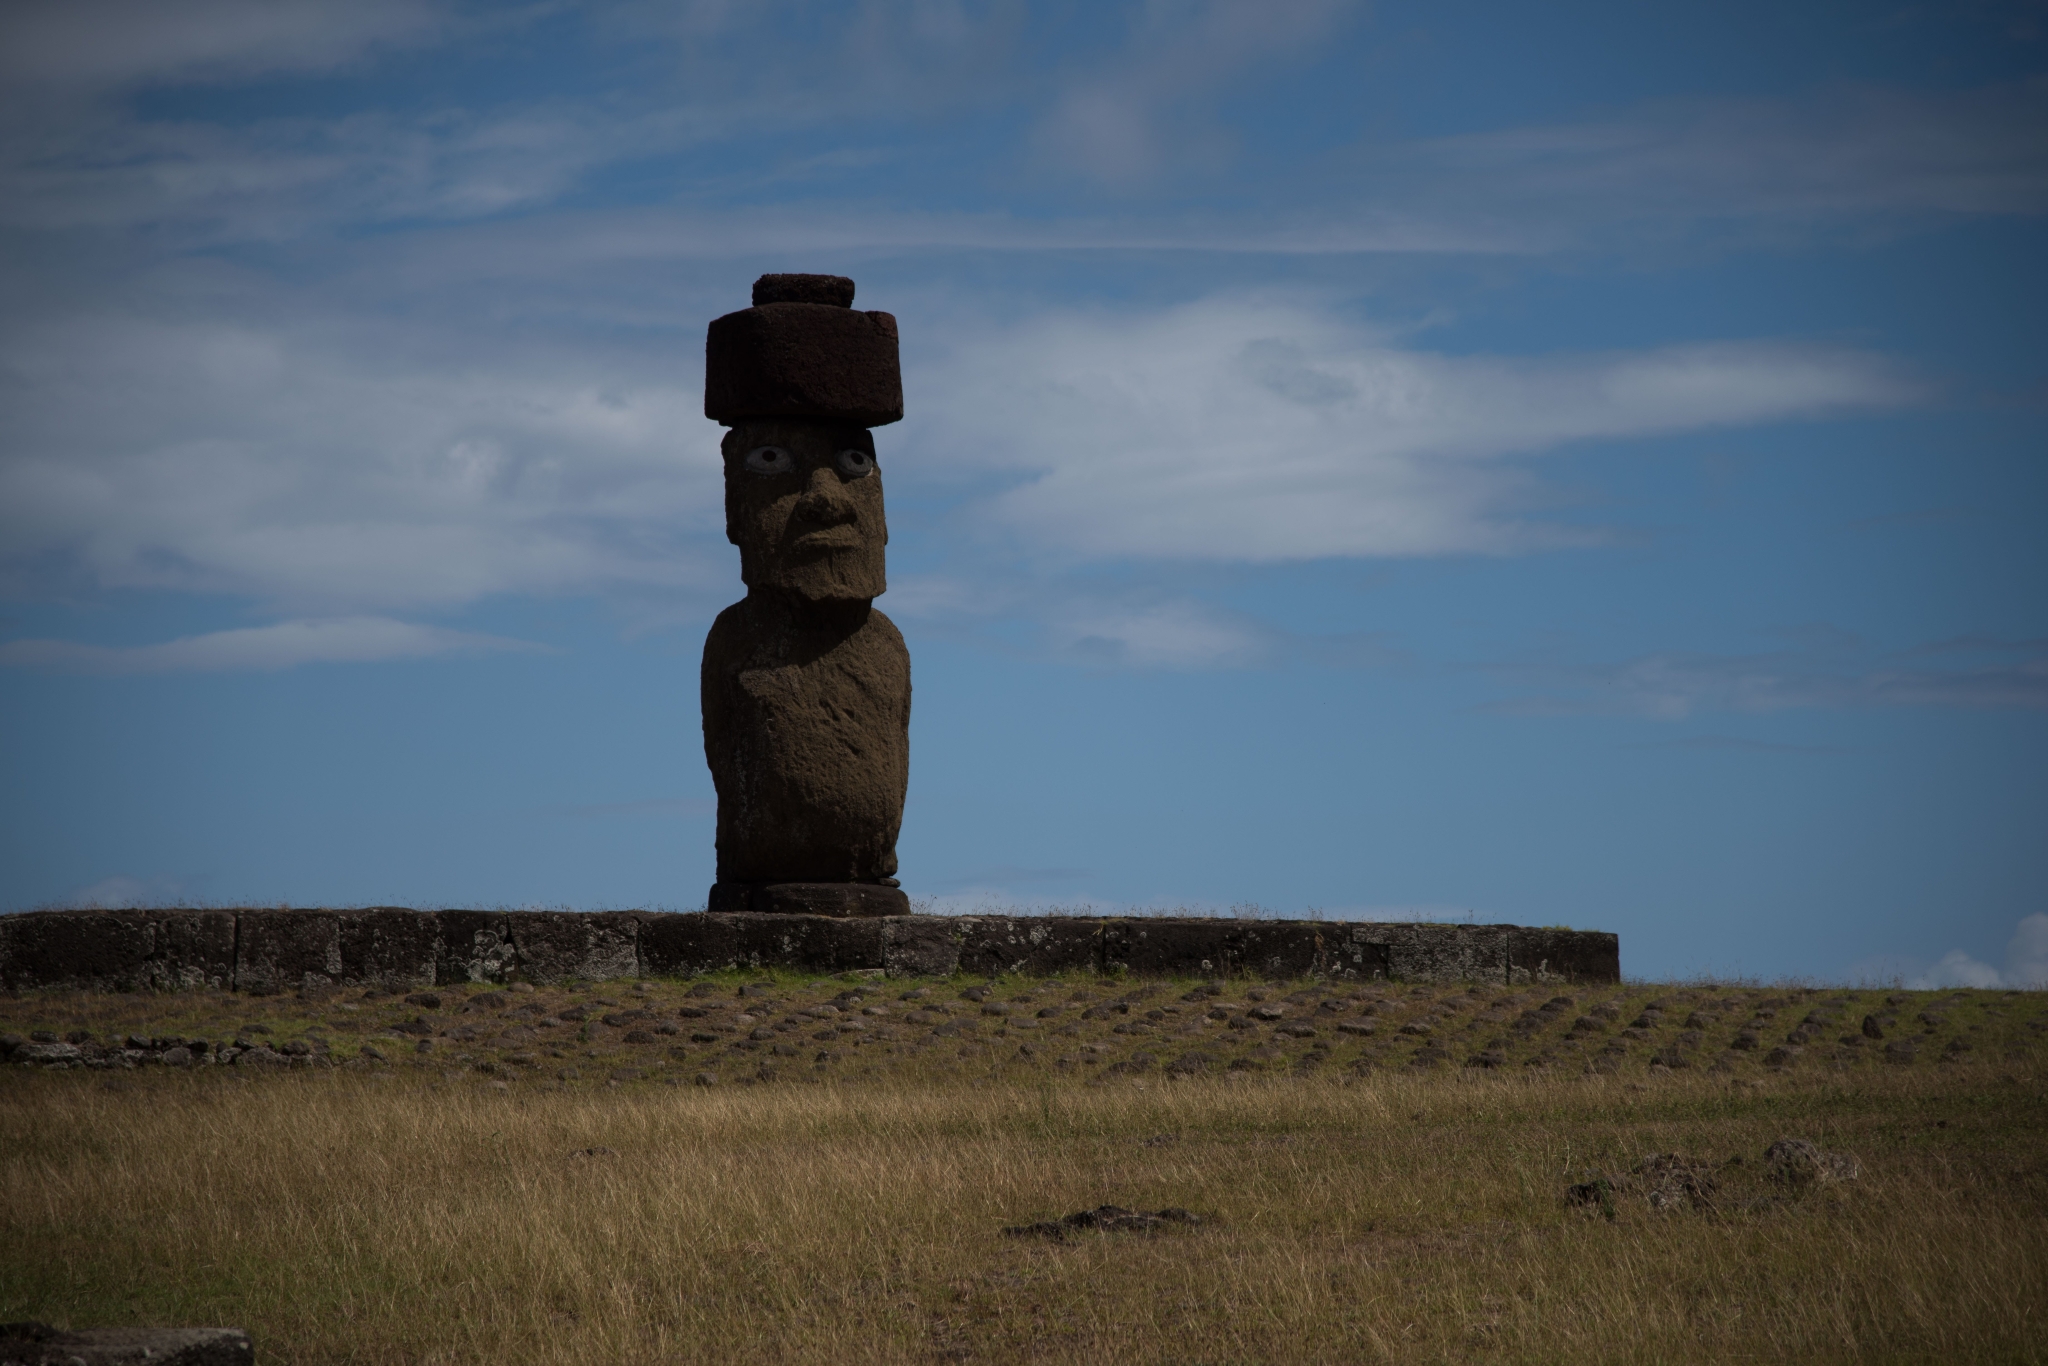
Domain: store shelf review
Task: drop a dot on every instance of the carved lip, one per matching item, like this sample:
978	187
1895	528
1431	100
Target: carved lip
842	537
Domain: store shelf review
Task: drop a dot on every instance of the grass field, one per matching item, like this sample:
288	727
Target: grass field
1376	1173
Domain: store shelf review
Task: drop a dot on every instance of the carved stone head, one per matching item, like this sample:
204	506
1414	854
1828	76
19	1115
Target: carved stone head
803	502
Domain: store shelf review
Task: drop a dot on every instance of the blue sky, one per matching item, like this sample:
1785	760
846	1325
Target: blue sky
1579	464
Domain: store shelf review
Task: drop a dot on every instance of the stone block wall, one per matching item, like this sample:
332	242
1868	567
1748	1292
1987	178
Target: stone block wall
390	946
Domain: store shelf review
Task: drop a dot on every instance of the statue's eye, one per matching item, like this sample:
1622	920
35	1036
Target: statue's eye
855	463
769	460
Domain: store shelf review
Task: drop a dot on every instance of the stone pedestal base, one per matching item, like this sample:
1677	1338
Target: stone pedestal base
808	898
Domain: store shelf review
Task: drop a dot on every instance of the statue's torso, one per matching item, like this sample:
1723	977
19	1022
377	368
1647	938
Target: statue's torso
807	731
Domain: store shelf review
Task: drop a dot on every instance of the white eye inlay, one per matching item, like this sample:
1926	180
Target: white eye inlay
769	460
855	463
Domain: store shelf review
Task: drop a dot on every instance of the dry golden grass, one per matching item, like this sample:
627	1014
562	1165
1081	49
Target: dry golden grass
412	1215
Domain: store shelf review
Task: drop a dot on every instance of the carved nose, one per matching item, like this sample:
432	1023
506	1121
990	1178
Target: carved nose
824	500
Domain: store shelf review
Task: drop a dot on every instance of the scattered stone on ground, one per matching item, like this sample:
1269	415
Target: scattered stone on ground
1798	1162
1668	1181
1113	1032
1103	1218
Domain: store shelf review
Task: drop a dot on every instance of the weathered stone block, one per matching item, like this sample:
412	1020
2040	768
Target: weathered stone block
1436	953
817	943
78	950
673	945
475	946
803	360
558	946
194	949
389	946
1166	947
1356	959
920	946
994	944
703	942
1551	955
287	950
1276	948
832	898
269	950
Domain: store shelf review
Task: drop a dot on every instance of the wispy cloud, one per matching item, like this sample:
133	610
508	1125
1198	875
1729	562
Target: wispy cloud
284	645
1133	102
1148	108
1260	430
1832	157
338	467
108	42
1819	669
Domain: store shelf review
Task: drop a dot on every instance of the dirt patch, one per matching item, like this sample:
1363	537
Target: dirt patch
1104	1219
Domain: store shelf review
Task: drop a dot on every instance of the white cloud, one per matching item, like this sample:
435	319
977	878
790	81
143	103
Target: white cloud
329	467
2026	957
1260	430
1958	969
282	645
332	470
1177	633
2026	963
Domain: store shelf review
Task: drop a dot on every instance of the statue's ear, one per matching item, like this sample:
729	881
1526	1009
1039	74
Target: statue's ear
725	452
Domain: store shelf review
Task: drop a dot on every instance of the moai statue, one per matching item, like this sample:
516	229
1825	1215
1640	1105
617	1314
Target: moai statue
806	686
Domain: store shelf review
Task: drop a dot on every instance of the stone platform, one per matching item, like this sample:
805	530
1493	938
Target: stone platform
388	946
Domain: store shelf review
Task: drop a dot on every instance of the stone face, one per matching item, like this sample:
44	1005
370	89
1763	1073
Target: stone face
803	502
803	359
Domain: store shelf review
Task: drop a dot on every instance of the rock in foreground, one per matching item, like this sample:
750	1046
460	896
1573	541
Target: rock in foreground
38	1344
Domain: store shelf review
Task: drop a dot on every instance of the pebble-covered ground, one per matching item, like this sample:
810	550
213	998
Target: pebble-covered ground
751	1028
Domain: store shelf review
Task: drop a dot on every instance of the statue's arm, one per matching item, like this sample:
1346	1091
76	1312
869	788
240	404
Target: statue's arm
715	692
